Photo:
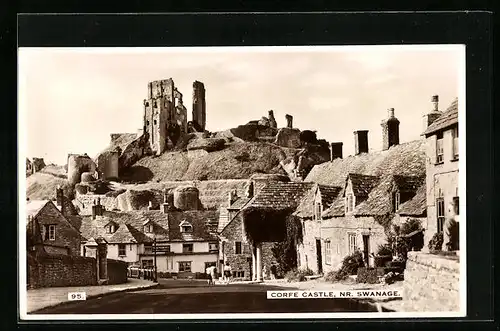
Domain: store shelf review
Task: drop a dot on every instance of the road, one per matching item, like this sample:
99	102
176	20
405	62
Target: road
185	296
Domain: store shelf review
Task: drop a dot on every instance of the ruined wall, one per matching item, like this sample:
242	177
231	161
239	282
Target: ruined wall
432	283
287	137
108	164
199	104
78	164
84	202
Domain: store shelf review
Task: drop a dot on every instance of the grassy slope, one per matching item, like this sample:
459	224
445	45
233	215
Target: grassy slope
236	161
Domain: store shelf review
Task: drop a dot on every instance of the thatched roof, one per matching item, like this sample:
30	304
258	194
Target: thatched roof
449	118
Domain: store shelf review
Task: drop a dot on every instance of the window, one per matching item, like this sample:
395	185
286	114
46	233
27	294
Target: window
237	247
51	232
396	200
455	143
111	228
147	123
439	148
186	228
148	228
130	248
318	211
154	103
440	214
328	252
212	247
349	203
122	251
187	248
147	264
352	242
155	122
148	248
185	266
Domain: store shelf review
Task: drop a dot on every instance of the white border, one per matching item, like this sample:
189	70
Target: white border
358	48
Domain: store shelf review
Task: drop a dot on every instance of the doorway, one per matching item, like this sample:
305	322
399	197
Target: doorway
366	249
319	257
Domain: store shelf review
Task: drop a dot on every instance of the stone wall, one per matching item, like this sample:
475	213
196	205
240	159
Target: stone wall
306	252
431	283
117	272
61	270
84	202
287	137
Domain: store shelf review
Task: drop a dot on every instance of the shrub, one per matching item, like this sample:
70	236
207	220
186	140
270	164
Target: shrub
367	275
350	266
436	242
453	233
298	275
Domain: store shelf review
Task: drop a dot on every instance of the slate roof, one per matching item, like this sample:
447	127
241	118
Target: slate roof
449	118
417	206
130	226
362	184
374	177
239	203
305	208
407	159
280	195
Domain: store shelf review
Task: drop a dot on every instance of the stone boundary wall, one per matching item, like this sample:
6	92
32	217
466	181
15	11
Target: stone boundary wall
61	270
431	283
117	272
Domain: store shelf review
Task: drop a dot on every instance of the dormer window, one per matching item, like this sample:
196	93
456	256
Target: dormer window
148	228
111	228
186	227
317	210
455	143
349	206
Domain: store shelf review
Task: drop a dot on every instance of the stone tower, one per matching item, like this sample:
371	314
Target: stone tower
199	106
390	130
164	115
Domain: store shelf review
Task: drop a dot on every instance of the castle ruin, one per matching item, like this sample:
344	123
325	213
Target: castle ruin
165	117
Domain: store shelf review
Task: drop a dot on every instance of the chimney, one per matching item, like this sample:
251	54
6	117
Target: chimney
361	141
60	199
165	207
435	102
335	151
231	197
390	130
272	120
94	207
289	121
433	115
99	207
250	190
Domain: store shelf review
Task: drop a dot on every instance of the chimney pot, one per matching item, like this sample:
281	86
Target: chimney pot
435	101
390	112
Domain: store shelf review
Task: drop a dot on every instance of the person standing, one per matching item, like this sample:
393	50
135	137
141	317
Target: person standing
213	274
227	272
208	271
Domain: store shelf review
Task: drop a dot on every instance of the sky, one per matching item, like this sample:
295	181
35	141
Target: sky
72	99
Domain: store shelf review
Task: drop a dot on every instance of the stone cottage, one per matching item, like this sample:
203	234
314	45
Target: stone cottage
441	136
248	238
376	189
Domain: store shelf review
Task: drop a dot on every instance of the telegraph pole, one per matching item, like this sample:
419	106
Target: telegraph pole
156	275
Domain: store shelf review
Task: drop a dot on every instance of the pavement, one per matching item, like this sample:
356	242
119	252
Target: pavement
52	296
195	296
